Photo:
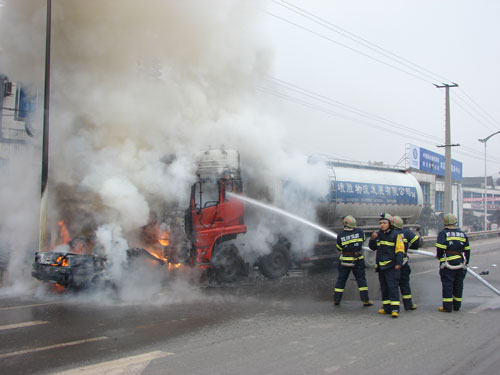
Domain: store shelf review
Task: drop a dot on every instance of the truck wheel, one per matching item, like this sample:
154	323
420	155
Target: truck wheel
226	262
275	264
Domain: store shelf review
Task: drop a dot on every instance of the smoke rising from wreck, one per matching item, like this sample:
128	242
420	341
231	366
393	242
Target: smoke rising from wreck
136	92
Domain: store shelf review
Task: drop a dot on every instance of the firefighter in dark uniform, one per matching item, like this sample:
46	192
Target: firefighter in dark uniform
411	241
453	252
390	252
349	243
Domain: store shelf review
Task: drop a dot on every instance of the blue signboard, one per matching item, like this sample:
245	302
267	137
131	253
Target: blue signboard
432	162
25	103
361	192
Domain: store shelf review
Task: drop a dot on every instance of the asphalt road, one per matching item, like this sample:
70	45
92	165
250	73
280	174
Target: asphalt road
258	326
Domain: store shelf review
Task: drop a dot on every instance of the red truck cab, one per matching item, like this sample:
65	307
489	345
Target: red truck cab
214	219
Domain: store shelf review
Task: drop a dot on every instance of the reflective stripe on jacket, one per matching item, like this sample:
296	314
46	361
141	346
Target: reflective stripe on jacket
350	242
410	240
390	249
452	245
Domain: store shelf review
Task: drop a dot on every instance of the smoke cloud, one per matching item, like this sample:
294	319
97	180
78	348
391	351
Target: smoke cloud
137	89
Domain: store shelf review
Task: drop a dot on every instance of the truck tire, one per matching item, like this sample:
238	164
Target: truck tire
275	264
226	262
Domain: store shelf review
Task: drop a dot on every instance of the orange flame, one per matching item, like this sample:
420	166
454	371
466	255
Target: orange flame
164	239
64	236
153	253
60	261
174	266
58	288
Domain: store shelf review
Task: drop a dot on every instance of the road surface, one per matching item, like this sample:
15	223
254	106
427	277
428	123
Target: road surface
258	326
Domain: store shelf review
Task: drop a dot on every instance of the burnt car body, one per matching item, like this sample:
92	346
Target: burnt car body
68	269
82	266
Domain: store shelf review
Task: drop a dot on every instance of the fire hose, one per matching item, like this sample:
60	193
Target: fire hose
334	235
468	270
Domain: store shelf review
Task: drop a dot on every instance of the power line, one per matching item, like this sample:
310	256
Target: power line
377	49
349	108
471	115
387	54
346	46
485	114
466	151
361	41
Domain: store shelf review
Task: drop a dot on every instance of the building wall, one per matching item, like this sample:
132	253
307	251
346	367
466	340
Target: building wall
473	203
435	186
13	134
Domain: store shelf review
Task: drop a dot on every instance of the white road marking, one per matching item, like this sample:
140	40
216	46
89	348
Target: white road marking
25	324
26	306
57	346
133	365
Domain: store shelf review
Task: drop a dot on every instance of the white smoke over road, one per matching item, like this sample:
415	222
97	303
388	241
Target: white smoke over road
137	89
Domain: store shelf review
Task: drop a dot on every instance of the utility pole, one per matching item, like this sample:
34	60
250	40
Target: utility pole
45	141
485	205
447	154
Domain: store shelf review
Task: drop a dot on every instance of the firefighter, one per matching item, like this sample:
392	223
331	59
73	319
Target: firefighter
390	252
412	241
453	252
349	243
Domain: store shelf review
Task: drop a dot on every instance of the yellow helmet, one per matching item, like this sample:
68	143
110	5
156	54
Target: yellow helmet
449	220
388	217
349	222
398	222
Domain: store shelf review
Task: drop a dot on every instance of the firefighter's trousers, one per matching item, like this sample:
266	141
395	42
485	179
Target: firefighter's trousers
453	285
404	286
389	286
359	273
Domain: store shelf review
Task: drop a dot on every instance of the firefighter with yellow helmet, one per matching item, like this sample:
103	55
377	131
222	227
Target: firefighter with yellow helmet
388	262
411	241
453	252
350	243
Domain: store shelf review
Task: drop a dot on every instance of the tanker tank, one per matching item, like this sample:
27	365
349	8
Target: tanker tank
365	191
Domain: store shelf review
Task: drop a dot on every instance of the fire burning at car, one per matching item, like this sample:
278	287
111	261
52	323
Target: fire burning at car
81	263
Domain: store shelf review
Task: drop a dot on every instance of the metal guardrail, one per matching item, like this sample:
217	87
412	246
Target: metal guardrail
429	241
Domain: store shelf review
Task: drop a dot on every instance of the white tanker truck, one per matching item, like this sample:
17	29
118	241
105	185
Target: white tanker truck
361	190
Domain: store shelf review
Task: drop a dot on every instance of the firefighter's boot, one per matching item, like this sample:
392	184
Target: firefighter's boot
408	303
411	307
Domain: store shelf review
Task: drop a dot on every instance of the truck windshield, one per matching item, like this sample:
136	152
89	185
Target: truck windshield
206	194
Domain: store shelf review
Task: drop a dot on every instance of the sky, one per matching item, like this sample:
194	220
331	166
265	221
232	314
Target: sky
455	41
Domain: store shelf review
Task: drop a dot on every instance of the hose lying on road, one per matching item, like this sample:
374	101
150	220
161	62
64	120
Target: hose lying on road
468	270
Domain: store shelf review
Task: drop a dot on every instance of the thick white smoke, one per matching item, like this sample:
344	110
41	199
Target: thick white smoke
137	89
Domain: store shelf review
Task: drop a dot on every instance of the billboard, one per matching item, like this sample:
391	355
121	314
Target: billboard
359	192
432	162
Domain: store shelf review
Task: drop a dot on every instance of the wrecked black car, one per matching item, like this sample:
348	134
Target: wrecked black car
73	269
80	264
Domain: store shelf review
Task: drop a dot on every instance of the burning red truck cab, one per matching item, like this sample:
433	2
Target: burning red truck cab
213	219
